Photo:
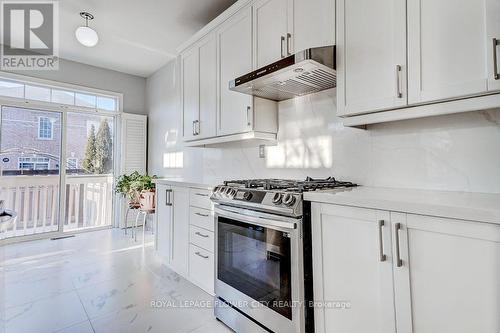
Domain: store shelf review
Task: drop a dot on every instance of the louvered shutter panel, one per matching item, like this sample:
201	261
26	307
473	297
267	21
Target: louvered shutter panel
134	138
133	154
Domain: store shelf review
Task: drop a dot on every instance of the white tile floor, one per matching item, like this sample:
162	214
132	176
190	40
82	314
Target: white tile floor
99	281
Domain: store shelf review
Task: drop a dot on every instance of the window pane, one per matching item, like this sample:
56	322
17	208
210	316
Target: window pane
37	93
11	89
44	128
85	100
63	97
106	103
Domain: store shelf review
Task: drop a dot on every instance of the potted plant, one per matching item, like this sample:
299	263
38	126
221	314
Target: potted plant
139	189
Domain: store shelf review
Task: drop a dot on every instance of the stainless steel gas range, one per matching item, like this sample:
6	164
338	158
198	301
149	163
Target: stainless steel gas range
263	254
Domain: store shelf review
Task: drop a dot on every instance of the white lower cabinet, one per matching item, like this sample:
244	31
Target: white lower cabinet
185	233
201	268
180	230
404	273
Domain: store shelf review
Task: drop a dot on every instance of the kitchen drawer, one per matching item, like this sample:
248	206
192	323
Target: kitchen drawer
201	268
202	238
200	198
202	218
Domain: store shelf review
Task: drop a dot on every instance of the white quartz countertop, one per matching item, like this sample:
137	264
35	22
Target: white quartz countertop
482	207
182	182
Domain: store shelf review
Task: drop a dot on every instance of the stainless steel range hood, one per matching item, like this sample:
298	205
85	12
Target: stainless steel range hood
303	73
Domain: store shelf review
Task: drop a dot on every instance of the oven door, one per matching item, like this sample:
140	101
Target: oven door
259	266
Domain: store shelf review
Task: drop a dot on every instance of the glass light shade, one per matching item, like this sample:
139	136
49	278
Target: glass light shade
87	36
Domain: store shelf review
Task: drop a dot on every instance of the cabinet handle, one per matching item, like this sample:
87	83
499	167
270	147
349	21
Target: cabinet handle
496	42
200	234
382	256
399	94
200	214
399	262
282	45
201	194
168	201
194	128
248	116
201	255
288	43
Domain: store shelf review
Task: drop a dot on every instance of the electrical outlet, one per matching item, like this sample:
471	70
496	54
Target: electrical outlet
262	151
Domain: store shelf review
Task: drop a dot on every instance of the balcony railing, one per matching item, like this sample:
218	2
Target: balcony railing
35	199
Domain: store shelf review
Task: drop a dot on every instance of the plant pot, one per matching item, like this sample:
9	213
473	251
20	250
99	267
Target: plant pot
147	200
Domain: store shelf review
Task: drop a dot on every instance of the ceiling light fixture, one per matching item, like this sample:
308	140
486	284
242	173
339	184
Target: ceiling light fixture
86	35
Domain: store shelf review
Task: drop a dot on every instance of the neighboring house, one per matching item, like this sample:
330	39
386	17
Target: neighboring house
32	140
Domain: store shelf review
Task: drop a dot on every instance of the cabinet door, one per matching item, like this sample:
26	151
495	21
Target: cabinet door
270	17
180	230
452	268
208	88
347	267
493	52
235	49
446	49
313	24
163	221
190	92
371	55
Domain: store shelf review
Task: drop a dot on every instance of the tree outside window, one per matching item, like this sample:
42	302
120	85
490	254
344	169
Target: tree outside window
98	158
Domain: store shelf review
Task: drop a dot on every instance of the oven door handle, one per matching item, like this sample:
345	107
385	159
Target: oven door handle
266	222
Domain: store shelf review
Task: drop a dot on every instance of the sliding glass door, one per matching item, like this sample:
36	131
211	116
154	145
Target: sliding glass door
42	152
30	173
89	171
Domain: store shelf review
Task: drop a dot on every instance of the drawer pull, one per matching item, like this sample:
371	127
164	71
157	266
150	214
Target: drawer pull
496	42
201	194
200	214
201	255
200	234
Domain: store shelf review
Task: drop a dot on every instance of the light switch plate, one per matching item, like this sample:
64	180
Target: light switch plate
262	151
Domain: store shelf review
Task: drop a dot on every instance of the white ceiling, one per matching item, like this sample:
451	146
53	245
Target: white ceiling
135	36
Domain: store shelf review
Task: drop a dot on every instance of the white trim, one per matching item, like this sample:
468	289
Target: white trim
61	86
436	109
214	24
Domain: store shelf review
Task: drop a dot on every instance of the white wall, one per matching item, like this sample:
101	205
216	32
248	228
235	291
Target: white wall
457	152
132	87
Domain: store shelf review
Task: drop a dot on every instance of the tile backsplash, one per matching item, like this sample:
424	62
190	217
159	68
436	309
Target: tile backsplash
459	152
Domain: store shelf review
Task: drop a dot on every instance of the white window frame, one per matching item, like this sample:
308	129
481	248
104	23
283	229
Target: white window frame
63	109
51	128
33	160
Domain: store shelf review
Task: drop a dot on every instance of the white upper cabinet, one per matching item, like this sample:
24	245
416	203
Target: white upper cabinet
313	24
352	262
207	126
493	43
283	27
371	55
447	51
235	49
449	277
190	91
271	28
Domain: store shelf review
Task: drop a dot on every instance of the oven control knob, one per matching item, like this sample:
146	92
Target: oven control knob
232	192
277	198
288	200
247	196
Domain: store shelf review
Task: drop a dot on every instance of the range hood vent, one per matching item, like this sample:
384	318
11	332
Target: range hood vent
303	73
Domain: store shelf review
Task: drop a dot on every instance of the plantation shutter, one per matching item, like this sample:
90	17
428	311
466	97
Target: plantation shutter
134	139
133	154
